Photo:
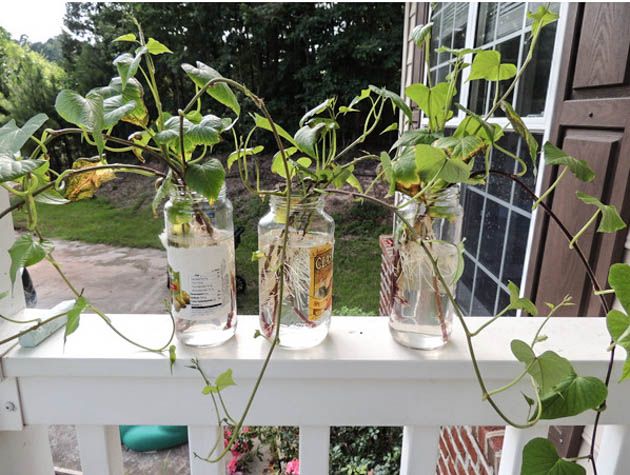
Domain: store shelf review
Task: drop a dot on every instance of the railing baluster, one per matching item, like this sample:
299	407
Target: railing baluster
613	456
200	440
100	449
26	451
513	443
314	446
419	450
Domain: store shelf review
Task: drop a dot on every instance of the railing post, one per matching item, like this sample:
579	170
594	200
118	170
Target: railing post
513	443
26	451
100	448
314	448
419	453
613	457
200	440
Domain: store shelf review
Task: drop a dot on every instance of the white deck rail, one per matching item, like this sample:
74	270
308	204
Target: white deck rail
358	376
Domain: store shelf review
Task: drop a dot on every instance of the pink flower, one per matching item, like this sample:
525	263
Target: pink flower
293	467
232	466
245	430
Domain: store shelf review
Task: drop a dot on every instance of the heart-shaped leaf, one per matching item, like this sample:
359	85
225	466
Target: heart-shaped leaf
487	65
548	370
221	92
130	37
83	185
434	102
155	47
619	280
224	380
244	152
461	147
316	111
580	168
611	222
206	178
128	64
123	104
541	458
263	123
420	33
26	251
74	316
541	17
13	138
206	132
518	303
307	137
573	396
12	169
396	100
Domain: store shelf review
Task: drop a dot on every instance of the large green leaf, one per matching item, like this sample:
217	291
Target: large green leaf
573	396
155	47
475	125
421	33
548	369
611	222
206	178
13	138
202	74
487	65
128	64
619	280
397	101
86	112
541	17
618	324
521	129
263	123
461	147
580	168
243	152
434	101
388	172
541	458
128	100
404	170
306	138
455	170
206	132
316	110
429	162
414	137
26	251
12	169
74	316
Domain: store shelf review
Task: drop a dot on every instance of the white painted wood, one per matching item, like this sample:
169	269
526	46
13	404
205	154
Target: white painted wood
513	443
10	407
26	452
419	450
314	450
100	449
613	457
201	439
15	302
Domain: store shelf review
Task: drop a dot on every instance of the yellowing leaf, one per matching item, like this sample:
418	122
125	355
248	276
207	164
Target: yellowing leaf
83	185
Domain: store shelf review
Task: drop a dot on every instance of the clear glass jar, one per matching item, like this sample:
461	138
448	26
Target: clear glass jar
308	271
199	241
422	315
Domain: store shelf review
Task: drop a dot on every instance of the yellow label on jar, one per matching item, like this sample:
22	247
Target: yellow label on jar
320	296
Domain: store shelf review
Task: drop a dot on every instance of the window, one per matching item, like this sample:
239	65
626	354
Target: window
497	215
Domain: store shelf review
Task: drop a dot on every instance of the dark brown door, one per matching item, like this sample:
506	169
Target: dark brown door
591	122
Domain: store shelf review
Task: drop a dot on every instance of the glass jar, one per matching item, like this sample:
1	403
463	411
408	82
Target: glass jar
199	241
308	271
422	314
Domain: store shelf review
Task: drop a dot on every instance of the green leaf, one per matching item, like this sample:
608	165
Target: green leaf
414	137
521	129
461	147
475	125
420	33
365	93
206	178
455	170
73	317
13	138
316	110
618	324
263	123
86	112
541	17
155	47
128	37
611	222
172	356
619	280
573	396
540	458
548	369
128	64
487	65
307	137
26	251
458	52
345	109
11	169
429	162
162	192
434	102
244	152
123	104
580	168
224	380
397	101
51	197
206	132
390	128
518	303
202	74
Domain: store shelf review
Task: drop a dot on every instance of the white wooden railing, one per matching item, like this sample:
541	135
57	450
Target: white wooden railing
358	376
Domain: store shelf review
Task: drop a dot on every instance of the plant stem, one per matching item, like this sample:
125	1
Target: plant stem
549	190
584	229
30	329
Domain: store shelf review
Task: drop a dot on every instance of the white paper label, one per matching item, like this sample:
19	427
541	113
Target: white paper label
199	280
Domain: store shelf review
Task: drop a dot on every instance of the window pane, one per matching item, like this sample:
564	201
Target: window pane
486	21
464	286
521	198
473	205
510	18
484	296
493	232
459	26
515	253
499	186
504	301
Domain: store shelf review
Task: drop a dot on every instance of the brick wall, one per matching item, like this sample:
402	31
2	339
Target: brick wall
464	450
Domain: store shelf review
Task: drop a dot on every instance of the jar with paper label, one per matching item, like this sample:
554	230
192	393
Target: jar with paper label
199	241
305	308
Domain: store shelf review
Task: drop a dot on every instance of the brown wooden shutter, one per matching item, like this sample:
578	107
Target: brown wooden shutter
591	122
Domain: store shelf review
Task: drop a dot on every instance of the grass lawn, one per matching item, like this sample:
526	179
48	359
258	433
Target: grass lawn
357	253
